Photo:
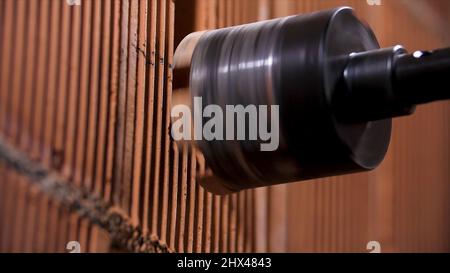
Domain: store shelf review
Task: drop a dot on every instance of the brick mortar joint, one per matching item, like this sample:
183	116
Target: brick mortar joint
123	235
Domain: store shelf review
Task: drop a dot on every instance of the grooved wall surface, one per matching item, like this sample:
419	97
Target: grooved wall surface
85	151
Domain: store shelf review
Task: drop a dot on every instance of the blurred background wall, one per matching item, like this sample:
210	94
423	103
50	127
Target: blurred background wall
85	152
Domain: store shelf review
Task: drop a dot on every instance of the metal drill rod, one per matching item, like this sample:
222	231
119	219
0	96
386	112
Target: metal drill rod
387	83
424	76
